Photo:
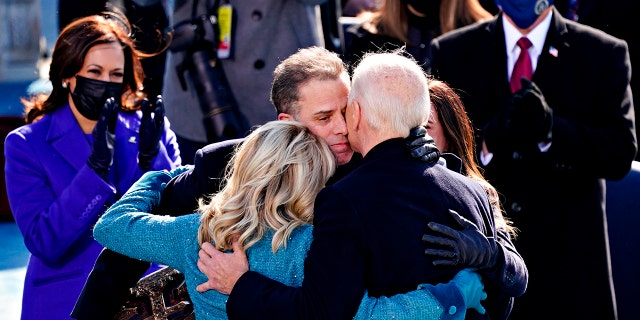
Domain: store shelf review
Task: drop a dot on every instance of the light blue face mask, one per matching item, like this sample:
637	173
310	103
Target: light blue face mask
523	12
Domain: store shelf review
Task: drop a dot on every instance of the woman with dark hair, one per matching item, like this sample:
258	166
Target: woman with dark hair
505	274
452	130
82	147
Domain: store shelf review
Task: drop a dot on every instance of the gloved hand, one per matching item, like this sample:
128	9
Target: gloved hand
467	247
104	137
495	133
422	145
151	181
470	284
531	118
151	130
180	170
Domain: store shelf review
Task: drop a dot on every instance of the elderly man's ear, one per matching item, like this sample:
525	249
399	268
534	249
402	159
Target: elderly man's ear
285	116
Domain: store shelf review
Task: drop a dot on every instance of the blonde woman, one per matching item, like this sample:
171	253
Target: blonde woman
267	202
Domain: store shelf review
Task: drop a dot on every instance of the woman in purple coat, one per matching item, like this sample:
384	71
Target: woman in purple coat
83	146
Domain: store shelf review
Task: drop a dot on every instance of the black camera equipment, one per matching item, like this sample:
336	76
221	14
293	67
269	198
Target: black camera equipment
197	38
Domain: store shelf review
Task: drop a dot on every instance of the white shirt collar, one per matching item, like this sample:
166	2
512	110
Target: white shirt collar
537	37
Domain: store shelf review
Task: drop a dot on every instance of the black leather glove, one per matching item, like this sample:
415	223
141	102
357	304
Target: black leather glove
104	137
422	145
531	118
467	247
151	130
495	133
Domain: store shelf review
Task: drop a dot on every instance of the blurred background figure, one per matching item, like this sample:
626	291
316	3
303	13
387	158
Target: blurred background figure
616	18
262	34
69	10
547	140
79	152
409	23
352	8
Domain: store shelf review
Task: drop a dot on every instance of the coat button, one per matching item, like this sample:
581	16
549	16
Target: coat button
452	310
256	15
259	64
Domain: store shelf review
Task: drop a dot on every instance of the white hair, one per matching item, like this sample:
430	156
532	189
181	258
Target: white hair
393	90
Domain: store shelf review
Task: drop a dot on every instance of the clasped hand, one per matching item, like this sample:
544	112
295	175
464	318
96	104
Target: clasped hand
531	118
104	135
222	269
151	130
527	122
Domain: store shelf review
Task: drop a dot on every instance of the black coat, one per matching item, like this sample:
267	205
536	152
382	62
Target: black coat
367	231
181	194
555	198
114	273
506	280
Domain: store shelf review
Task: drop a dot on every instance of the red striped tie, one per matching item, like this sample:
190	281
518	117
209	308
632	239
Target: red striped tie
523	67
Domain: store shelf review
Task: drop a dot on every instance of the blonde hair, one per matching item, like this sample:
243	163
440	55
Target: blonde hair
392	19
271	184
459	13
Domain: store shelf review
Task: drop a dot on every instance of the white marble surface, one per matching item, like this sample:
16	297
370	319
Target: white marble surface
13	261
11	282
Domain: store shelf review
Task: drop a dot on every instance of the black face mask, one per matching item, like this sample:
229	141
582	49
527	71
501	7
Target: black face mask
90	95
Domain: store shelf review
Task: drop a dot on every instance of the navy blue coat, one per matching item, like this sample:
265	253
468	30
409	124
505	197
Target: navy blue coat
556	198
367	236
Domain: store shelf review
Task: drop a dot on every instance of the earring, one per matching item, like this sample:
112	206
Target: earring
64	85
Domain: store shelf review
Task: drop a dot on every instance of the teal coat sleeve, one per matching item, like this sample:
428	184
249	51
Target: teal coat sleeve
128	228
427	302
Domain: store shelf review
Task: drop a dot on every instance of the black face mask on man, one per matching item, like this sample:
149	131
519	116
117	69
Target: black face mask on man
90	95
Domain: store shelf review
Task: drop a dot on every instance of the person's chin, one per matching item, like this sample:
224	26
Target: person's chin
343	157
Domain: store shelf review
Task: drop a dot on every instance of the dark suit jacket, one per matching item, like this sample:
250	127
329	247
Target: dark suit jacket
367	231
114	273
182	193
555	198
508	279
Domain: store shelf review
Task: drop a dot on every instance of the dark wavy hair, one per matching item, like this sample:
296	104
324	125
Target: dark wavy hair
69	53
459	132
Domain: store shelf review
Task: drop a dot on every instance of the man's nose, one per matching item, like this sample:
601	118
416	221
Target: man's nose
340	126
